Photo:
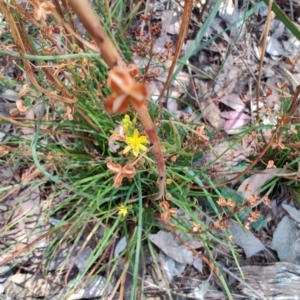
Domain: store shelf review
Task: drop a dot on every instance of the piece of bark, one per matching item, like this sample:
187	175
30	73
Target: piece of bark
279	281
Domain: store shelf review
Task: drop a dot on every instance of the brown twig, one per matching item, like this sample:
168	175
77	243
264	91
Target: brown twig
156	149
262	54
17	253
295	103
188	6
76	35
91	23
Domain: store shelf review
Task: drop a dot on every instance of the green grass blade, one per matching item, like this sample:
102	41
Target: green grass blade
138	240
194	48
284	19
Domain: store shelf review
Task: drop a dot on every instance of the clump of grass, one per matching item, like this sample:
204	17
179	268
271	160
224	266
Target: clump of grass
94	170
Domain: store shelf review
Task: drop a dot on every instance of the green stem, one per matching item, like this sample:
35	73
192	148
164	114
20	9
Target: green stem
48	57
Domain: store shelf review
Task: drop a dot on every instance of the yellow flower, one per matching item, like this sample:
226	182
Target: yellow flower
135	143
122	210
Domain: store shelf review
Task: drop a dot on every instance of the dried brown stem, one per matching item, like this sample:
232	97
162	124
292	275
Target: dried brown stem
22	43
76	35
262	55
156	149
295	103
188	7
91	23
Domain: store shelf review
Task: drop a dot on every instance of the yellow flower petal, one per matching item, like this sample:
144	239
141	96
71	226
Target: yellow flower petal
127	149
135	134
135	152
142	139
129	140
143	147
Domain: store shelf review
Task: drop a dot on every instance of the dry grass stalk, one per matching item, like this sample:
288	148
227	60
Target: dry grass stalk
24	47
263	52
92	24
185	21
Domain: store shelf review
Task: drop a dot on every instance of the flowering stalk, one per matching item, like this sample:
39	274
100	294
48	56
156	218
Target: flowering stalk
87	16
119	101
